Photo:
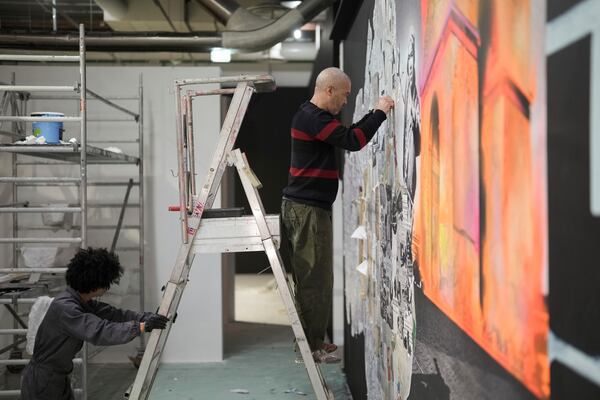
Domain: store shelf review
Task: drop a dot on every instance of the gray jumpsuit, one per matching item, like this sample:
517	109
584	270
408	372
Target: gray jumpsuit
67	324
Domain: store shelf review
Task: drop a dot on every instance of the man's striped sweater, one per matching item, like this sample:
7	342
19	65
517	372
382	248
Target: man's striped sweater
313	175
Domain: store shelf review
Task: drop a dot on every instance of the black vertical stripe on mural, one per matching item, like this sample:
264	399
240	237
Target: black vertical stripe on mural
354	361
485	18
556	7
355	48
574	276
567	384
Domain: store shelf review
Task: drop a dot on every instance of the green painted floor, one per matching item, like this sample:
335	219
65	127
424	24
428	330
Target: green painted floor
259	359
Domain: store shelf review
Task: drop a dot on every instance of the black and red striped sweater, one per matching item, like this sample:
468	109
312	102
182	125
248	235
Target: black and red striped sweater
313	175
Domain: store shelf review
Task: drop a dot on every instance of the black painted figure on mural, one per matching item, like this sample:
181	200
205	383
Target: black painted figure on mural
412	124
412	144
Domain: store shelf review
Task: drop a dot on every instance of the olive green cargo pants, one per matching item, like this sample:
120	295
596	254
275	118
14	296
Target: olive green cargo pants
306	248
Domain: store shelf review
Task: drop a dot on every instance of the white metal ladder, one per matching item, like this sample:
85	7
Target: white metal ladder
220	234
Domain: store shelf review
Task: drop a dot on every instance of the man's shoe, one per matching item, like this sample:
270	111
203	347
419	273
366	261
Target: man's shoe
321	356
329	347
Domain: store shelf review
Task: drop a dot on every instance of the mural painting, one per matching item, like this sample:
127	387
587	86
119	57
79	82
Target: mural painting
449	198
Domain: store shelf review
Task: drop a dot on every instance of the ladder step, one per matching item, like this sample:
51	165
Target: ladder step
223	212
232	235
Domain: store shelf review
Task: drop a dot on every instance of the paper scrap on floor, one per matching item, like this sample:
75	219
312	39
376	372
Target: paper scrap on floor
240	391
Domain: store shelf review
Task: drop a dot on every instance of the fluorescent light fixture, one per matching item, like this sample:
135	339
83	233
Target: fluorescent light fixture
297	34
220	55
291	4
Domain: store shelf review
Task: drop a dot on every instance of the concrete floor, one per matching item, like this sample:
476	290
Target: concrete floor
260	359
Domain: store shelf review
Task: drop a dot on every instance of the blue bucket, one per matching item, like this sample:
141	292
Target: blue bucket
51	131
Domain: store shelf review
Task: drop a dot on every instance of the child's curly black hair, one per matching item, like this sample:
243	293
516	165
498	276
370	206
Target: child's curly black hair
91	269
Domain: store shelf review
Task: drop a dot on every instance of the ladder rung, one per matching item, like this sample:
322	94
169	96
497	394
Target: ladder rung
39	240
13	331
77	227
28	270
30	179
25	88
15	393
26	57
40	209
17	118
77	183
20	300
76	361
111	205
127	248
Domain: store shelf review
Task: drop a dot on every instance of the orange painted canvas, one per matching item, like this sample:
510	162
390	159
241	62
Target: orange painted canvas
480	235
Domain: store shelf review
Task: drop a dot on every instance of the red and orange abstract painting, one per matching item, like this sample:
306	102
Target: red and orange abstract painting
480	211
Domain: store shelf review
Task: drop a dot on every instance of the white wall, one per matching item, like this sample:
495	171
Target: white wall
197	335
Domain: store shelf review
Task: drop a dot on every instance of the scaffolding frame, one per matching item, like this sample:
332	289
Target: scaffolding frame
82	153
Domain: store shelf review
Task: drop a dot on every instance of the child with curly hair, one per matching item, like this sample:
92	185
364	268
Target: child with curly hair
74	317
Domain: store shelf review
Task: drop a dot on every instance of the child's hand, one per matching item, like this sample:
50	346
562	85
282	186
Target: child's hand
154	321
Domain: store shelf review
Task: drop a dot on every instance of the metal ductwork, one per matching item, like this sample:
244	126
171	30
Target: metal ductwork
244	31
222	10
275	31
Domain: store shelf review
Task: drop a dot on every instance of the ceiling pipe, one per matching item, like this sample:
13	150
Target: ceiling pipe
222	10
112	43
238	35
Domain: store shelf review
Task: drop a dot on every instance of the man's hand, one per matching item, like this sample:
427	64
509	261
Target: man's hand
385	104
154	321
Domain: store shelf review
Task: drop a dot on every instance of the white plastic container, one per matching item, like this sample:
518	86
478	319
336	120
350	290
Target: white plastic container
39	256
58	219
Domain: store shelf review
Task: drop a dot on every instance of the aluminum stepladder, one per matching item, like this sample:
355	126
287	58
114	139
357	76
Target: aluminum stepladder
230	234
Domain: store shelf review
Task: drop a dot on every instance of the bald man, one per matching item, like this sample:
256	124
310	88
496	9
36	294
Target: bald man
306	230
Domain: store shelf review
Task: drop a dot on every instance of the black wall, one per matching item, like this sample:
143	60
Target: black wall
265	138
355	47
574	234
